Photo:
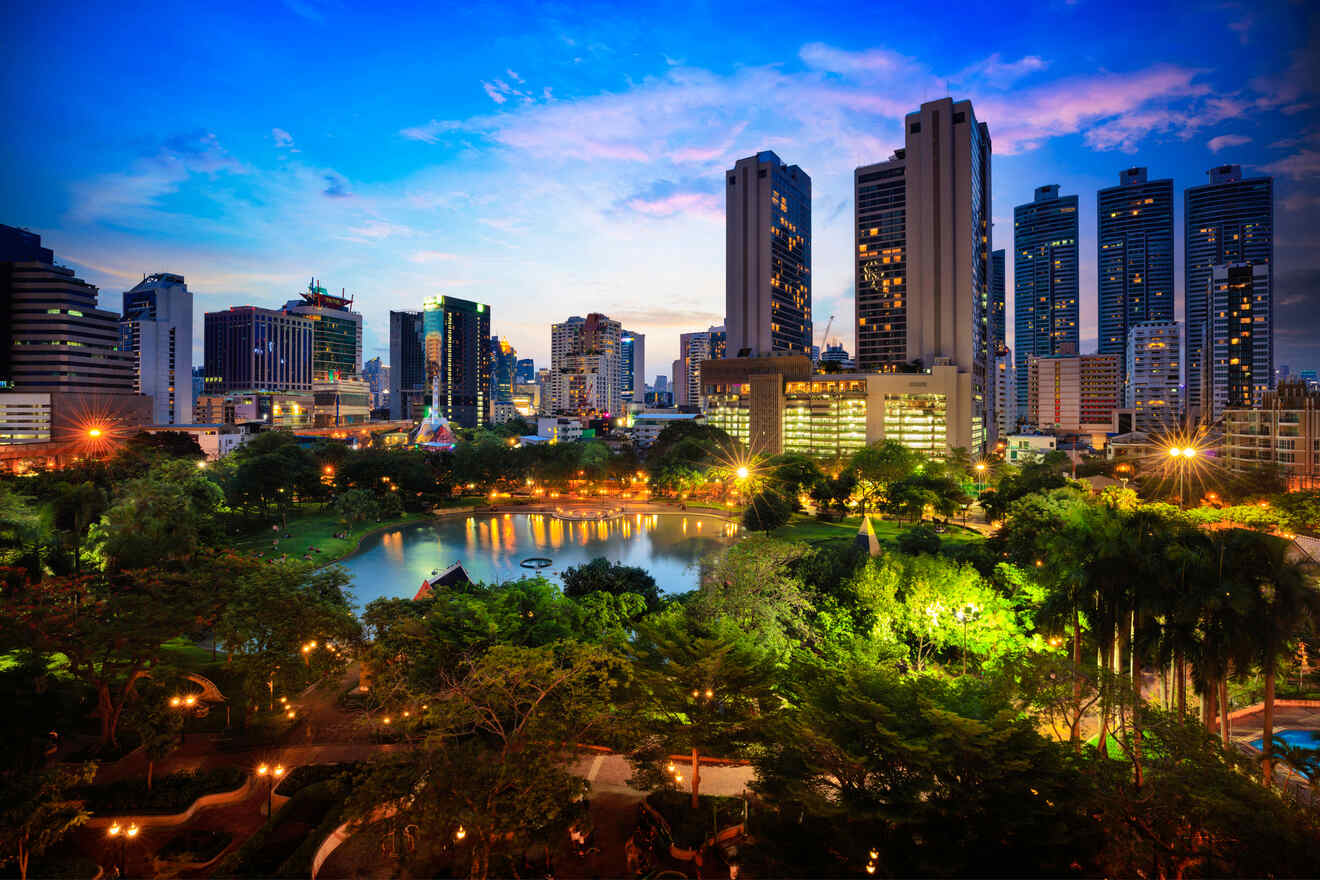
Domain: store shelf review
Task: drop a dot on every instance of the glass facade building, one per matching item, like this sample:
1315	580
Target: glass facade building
1134	257
1240	336
456	343
880	237
1228	220
1045	280
998	340
825	418
407	365
336	333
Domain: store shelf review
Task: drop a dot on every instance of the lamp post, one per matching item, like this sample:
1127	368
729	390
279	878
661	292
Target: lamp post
1182	456
271	775
124	834
964	614
307	650
184	705
1124	471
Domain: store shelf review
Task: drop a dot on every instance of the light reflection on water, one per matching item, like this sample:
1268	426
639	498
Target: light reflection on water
670	547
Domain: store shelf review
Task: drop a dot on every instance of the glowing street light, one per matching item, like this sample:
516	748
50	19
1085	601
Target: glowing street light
271	775
742	472
124	834
94	433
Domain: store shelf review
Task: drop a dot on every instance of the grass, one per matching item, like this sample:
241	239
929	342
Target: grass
810	529
317	529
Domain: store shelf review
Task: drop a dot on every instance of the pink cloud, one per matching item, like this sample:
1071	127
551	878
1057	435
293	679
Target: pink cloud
688	203
1224	141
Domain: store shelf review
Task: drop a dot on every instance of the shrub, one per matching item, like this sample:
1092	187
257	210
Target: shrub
172	793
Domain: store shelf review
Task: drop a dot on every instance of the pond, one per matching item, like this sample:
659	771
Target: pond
493	546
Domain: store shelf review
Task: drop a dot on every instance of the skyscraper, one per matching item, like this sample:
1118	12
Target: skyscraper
1134	257
1153	375
880	232
456	338
246	348
1005	390
947	170
407	365
336	333
632	367
157	327
526	373
1240	336
584	365
503	367
767	300
998	340
1044	279
1228	220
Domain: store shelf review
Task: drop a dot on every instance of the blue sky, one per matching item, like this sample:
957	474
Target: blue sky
552	160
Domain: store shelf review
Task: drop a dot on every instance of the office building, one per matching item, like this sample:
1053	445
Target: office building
1005	391
377	376
1152	376
247	348
456	340
940	293
693	350
1134	257
407	366
278	409
767	301
1072	393
61	370
1045	292
632	367
1239	337
880	233
998	340
157	327
838	359
776	405
719	342
1228	220
503	368
584	366
336	333
1282	431
526	371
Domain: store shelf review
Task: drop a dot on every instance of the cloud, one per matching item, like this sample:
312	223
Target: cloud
664	198
430	132
431	257
513	76
1302	165
497	94
1225	141
281	137
820	56
305	10
1000	72
336	186
375	230
113	196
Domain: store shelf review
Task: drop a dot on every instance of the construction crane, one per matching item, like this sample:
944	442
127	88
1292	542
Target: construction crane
824	340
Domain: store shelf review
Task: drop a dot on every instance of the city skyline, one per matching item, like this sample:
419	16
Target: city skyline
444	190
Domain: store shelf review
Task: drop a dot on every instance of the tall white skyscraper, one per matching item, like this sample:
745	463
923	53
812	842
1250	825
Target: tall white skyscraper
1152	380
1005	382
767	294
157	326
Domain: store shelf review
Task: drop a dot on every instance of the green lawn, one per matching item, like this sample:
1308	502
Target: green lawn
316	529
807	528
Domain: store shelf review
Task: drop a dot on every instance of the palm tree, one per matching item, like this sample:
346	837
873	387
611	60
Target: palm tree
1174	626
1283	597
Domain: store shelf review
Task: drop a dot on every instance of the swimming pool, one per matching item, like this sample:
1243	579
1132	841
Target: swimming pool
1306	739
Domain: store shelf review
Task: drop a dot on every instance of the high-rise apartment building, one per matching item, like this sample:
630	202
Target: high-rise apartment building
1005	390
1239	336
61	369
526	372
1281	434
767	301
880	239
693	350
377	376
1045	279
1152	380
246	348
407	366
503	368
156	327
456	340
632	367
947	169
1134	256
584	365
1230	219
998	340
1068	392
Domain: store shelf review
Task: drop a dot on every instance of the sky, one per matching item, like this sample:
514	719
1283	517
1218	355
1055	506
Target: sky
553	159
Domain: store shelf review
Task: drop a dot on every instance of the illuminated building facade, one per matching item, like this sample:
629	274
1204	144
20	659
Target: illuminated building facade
503	368
1283	431
1152	380
1134	257
1228	220
407	366
336	333
456	341
1073	393
1240	356
776	405
767	300
880	233
998	339
246	348
632	367
1045	291
584	366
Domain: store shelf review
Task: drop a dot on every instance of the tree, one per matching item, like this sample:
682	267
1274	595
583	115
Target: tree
492	753
158	725
701	686
268	471
76	507
766	511
793	474
879	465
601	575
167	514
38	810
22	532
919	539
751	583
357	505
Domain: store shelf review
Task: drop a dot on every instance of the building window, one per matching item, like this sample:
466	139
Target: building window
914	128
959	117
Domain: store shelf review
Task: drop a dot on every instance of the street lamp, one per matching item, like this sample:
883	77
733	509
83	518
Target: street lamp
964	614
124	834
184	705
1182	456
271	775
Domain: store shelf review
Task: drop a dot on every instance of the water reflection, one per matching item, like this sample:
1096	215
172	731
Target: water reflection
669	547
